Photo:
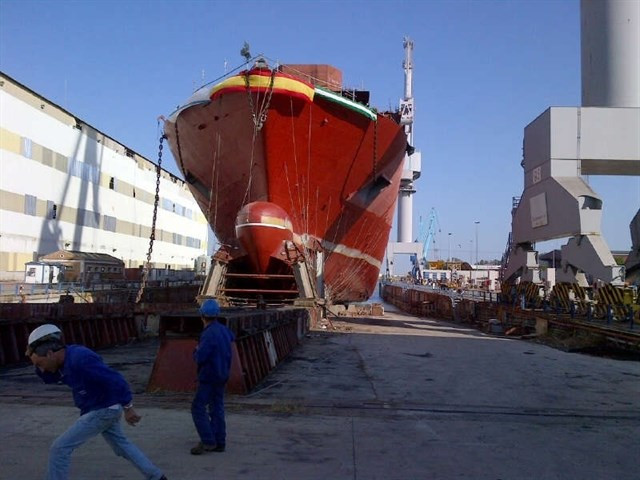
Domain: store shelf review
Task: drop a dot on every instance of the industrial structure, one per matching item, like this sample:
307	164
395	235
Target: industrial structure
425	237
302	207
410	172
565	144
64	185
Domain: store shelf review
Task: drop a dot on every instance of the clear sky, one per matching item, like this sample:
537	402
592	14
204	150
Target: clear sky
483	70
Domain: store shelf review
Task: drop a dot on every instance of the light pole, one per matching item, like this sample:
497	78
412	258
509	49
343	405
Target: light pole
477	223
449	247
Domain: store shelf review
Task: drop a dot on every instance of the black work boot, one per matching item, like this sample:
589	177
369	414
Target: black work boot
200	448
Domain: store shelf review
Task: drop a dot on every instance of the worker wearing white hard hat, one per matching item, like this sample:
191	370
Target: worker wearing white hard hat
101	393
42	335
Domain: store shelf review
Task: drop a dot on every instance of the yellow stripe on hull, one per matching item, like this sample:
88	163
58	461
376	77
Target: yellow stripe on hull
280	84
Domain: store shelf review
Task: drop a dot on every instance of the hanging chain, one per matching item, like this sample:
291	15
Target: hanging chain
259	118
152	237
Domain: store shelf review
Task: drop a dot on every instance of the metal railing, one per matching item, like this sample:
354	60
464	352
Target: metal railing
30	290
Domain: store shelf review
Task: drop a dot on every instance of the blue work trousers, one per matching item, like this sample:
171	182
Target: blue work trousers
207	411
105	421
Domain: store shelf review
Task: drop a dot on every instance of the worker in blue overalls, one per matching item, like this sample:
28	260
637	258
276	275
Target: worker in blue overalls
101	393
213	359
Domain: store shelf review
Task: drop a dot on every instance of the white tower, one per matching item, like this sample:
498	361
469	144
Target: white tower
610	44
411	170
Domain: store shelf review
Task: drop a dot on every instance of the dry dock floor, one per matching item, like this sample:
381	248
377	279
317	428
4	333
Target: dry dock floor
392	397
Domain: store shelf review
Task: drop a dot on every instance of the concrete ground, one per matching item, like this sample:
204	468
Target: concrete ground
392	397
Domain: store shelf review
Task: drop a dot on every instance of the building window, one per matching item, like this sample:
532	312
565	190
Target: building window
88	218
109	223
52	209
112	184
84	171
26	147
193	242
30	203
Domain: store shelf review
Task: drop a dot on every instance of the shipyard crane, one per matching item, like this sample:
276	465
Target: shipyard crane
562	147
425	237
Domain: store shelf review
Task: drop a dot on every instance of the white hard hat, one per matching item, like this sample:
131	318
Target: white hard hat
44	331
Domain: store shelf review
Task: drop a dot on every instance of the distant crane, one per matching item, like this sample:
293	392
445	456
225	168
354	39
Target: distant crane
426	236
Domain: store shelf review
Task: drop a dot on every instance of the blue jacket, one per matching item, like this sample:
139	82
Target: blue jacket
213	355
94	384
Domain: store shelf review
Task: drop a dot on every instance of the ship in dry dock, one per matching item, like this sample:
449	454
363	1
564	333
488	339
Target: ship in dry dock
297	177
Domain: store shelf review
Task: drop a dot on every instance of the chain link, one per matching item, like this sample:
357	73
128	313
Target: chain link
261	118
152	237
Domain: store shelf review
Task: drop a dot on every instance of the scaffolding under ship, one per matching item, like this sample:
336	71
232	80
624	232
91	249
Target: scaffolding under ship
298	179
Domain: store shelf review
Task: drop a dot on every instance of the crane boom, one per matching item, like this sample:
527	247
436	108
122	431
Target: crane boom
427	234
426	237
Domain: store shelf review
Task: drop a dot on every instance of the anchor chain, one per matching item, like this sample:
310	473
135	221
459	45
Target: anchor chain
156	201
261	118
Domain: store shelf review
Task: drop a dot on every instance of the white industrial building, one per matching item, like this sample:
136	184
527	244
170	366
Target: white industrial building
66	186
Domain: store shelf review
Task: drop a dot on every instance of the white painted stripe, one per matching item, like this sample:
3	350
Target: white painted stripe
267	225
345	251
354	253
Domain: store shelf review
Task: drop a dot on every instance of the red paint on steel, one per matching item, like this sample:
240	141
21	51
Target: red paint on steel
174	369
262	228
236	384
336	173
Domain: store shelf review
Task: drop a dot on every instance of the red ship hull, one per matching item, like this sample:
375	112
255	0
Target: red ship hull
332	170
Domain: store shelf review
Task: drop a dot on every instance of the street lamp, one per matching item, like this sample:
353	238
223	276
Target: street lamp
477	223
449	246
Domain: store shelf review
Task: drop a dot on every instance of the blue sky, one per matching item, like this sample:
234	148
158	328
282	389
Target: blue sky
483	70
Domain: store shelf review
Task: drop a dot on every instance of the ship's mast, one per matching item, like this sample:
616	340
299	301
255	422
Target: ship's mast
411	170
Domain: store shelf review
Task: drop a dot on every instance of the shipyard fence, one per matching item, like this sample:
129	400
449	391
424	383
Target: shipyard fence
92	324
20	292
264	338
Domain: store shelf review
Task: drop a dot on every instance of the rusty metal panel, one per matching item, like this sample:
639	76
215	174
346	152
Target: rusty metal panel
236	384
93	325
174	369
322	75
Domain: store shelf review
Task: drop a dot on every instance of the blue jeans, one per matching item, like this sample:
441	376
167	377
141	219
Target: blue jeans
107	422
207	411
